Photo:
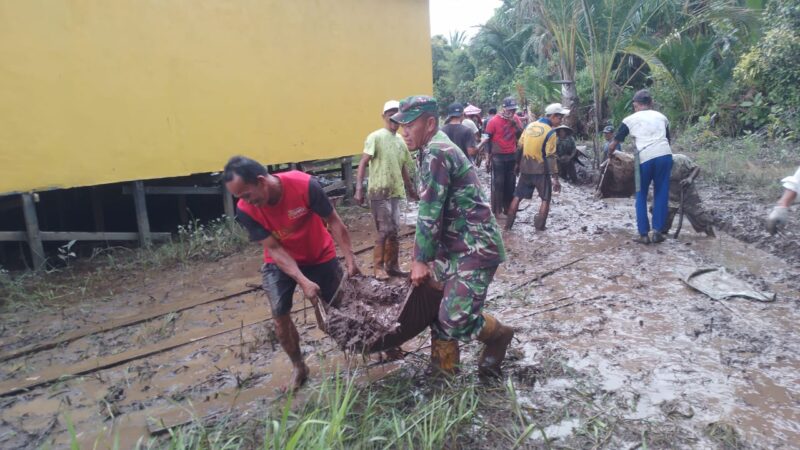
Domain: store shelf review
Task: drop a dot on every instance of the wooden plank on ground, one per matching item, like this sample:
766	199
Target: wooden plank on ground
112	324
56	373
334	186
151	313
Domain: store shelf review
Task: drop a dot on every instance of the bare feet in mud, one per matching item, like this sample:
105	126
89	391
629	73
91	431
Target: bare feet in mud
299	378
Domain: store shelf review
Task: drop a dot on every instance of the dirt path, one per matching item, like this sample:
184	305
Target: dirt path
611	349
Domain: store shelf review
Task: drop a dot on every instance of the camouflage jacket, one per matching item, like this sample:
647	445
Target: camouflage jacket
455	223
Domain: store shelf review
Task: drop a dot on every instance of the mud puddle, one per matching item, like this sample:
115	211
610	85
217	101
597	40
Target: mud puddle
201	376
613	350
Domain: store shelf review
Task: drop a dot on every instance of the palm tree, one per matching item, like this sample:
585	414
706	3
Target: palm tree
608	28
561	20
457	39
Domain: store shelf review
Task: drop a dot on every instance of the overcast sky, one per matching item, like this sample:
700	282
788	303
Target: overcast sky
460	15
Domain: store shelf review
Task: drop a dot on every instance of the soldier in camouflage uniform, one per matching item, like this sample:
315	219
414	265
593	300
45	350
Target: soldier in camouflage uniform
458	235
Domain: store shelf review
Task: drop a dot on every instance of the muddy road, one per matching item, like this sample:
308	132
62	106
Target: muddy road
612	348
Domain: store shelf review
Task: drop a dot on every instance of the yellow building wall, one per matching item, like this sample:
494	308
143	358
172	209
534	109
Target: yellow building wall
101	91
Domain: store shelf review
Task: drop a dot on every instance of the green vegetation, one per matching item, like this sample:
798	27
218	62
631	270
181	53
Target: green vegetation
410	410
744	163
194	243
593	54
339	414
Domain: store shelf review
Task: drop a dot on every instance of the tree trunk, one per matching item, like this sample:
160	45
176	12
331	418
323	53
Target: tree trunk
569	99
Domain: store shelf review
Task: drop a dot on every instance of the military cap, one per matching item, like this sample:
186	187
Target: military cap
413	107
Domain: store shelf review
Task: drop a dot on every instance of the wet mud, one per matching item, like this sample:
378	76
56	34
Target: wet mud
612	348
618	352
743	216
367	310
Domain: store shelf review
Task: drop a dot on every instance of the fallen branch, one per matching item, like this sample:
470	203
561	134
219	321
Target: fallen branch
563	306
539	276
370	247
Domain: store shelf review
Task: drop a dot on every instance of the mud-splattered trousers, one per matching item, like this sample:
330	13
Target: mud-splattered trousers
692	209
503	181
655	171
457	232
460	315
386	215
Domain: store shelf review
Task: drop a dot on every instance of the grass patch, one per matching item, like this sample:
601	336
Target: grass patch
751	163
405	410
194	243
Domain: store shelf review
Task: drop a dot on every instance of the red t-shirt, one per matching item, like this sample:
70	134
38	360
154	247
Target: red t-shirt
503	133
295	221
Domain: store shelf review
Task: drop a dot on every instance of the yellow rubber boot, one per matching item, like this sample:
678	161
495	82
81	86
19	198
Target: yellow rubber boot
497	338
377	263
391	256
445	357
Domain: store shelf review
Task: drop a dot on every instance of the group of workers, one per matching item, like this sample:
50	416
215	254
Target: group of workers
458	242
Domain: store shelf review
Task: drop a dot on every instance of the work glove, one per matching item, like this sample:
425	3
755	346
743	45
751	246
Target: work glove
686	182
777	219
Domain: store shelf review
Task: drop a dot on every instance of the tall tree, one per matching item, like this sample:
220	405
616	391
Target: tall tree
561	20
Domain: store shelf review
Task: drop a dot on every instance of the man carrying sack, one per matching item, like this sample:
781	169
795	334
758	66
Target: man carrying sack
653	163
286	213
459	236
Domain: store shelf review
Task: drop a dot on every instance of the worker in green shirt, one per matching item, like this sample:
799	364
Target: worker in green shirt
389	166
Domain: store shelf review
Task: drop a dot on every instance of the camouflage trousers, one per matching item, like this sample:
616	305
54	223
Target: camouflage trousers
692	209
460	314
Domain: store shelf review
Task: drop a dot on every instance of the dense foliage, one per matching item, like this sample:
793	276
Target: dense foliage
731	65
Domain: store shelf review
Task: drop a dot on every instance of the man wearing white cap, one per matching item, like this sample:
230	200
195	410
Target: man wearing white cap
780	213
389	166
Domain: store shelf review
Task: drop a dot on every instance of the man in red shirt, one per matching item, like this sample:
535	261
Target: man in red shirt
286	213
503	131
